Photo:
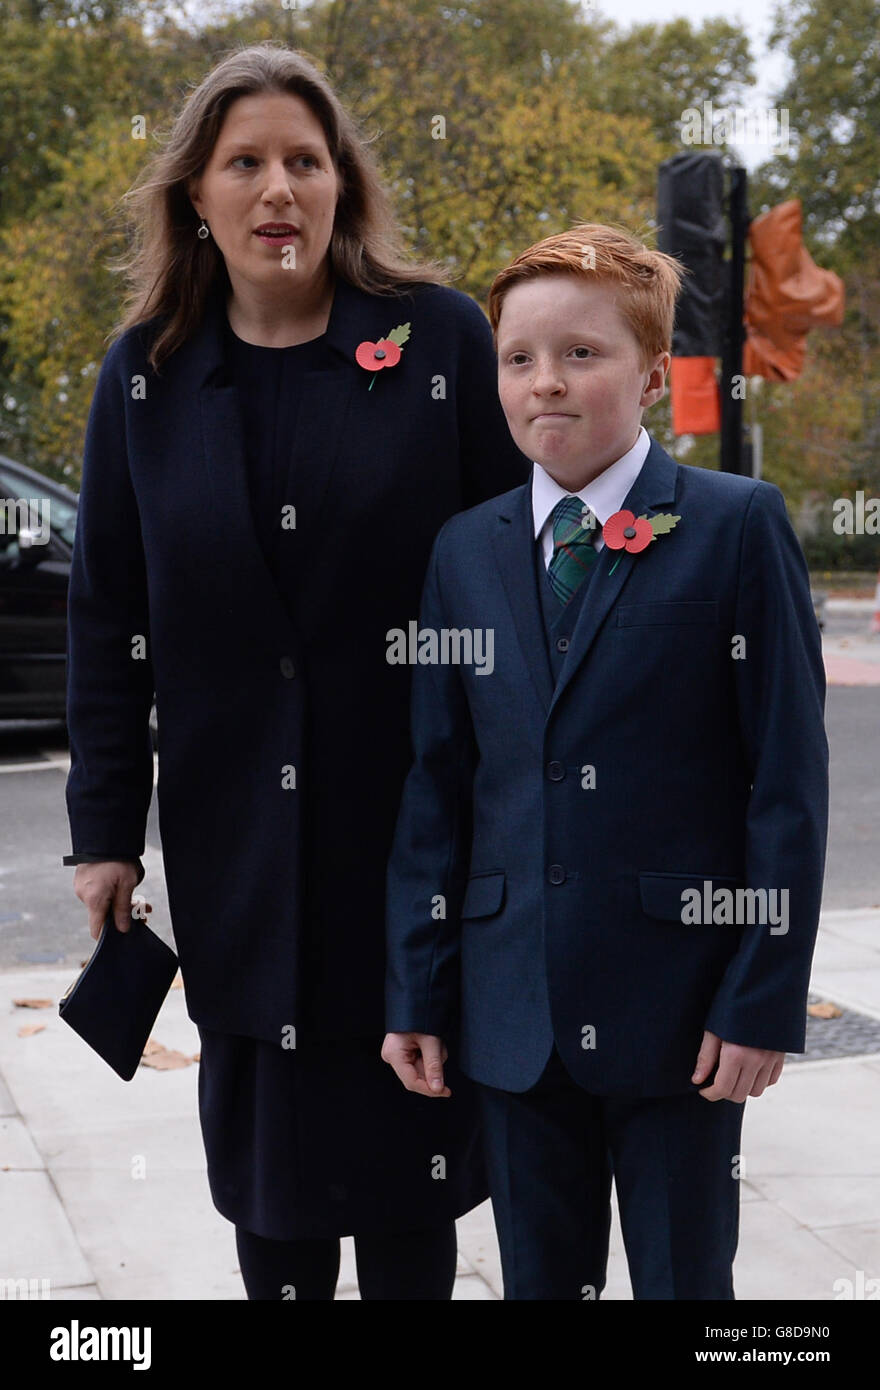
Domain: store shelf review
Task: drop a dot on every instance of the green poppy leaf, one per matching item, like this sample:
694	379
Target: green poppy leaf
663	522
399	334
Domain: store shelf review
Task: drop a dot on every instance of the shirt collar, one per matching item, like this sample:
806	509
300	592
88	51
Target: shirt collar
604	495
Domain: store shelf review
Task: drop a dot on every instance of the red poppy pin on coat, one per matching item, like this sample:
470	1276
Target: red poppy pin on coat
625	531
385	353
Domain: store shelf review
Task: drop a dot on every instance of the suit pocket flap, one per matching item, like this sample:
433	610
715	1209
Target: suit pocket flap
661	894
641	614
483	895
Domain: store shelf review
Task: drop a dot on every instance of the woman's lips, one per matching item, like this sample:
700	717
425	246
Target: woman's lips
275	238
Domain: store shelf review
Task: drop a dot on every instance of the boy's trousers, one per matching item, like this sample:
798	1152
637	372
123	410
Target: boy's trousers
551	1152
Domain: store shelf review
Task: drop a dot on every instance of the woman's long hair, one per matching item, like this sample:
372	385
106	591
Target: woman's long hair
170	271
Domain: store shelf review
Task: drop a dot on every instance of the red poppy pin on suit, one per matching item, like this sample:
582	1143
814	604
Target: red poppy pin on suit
625	531
385	353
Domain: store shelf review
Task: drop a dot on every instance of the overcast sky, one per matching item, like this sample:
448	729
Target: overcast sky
755	14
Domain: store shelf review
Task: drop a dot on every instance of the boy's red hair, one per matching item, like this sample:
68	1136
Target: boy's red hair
649	280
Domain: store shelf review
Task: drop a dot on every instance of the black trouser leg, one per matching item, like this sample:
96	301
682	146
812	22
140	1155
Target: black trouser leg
676	1165
285	1269
407	1265
550	1179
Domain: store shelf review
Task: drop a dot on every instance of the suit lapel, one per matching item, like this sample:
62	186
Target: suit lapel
514	542
653	488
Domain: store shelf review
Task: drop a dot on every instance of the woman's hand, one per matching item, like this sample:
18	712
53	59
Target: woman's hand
102	884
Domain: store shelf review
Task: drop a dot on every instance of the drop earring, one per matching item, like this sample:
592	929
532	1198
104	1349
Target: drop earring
204	230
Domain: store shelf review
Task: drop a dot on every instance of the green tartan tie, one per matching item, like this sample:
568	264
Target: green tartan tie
573	546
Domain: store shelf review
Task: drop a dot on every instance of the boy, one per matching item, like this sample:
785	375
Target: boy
606	876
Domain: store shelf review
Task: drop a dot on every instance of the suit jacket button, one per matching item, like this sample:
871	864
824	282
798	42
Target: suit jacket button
555	771
556	873
287	667
562	644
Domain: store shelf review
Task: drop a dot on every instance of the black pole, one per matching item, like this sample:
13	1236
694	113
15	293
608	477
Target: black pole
732	457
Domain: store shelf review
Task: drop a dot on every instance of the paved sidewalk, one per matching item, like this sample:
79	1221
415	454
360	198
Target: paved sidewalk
854	659
103	1189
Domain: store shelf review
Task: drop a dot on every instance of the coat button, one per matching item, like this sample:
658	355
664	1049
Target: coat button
555	771
556	873
562	644
287	667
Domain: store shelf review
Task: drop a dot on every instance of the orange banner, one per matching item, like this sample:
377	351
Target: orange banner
787	295
693	391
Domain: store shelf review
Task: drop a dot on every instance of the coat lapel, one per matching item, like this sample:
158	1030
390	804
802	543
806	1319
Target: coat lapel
514	542
653	488
354	316
329	398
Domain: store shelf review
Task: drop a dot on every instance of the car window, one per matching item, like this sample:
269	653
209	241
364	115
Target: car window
62	516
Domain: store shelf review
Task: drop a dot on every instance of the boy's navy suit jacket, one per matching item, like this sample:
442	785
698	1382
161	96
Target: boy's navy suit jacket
563	902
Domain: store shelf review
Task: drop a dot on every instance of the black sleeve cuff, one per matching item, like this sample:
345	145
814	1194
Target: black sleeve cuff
99	858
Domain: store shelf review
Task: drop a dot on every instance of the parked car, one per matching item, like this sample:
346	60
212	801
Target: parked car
33	592
35	556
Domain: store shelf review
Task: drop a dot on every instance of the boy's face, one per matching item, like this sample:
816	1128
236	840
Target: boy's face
570	375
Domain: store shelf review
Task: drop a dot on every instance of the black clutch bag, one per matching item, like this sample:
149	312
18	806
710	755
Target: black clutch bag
114	1000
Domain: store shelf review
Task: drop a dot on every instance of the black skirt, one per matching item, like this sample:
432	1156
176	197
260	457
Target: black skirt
323	1140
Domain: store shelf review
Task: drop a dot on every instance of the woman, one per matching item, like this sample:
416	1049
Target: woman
264	473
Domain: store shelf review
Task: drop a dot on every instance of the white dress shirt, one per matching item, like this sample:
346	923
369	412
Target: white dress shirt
603	495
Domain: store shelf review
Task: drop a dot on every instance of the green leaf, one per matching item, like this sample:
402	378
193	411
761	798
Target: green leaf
399	334
663	522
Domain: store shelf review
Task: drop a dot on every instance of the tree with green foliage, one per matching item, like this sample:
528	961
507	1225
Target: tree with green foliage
528	117
822	432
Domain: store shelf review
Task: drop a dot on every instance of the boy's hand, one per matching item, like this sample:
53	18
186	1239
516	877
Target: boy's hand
418	1059
742	1071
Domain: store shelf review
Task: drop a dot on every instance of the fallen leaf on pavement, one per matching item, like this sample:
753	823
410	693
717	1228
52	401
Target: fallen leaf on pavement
824	1009
163	1058
27	1029
166	1060
177	982
33	1003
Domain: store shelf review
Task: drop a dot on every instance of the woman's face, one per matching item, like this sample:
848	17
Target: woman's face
270	164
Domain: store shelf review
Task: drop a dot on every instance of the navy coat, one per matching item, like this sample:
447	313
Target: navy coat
563	890
283	730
